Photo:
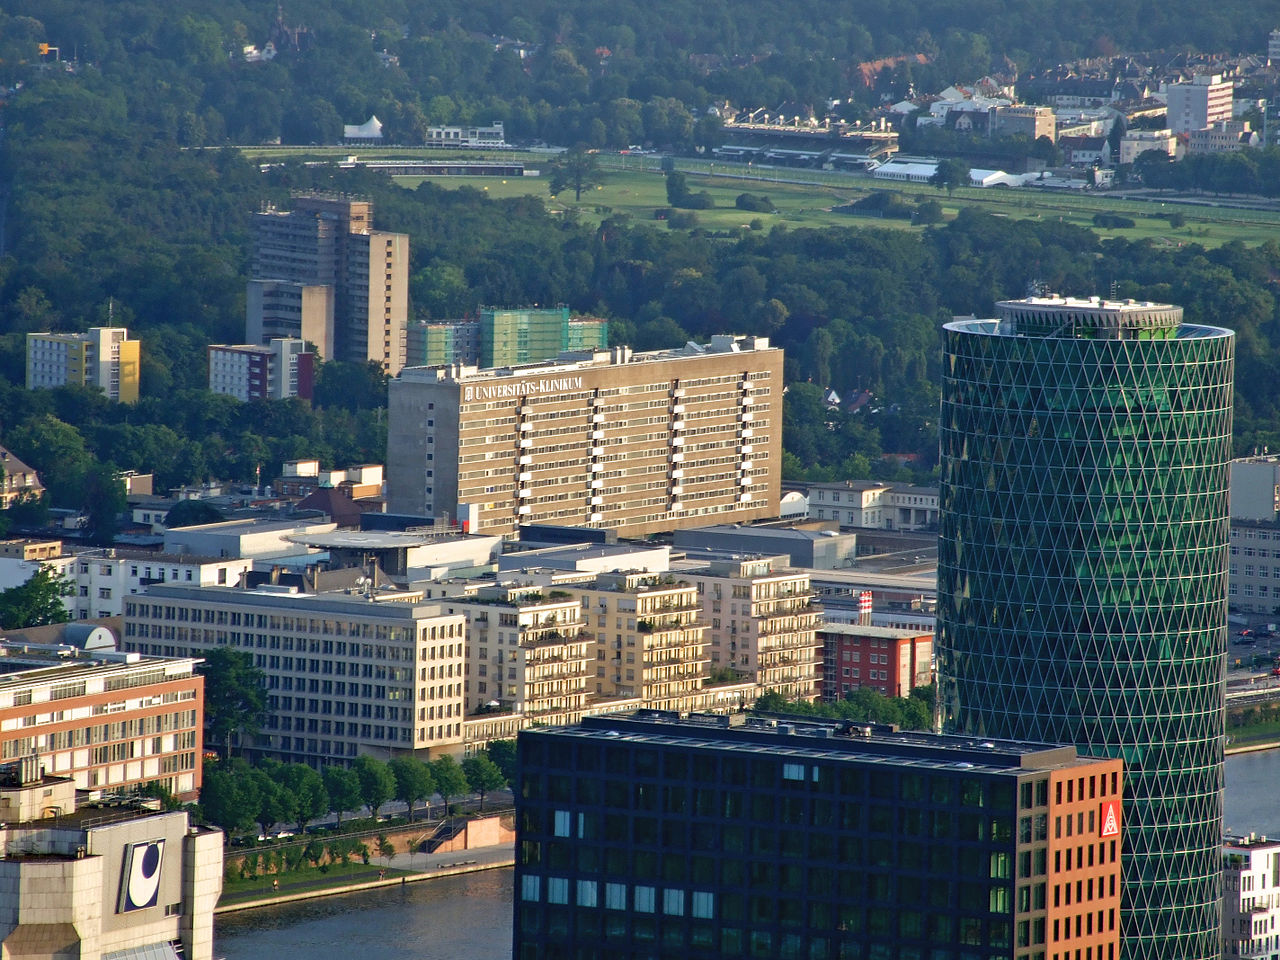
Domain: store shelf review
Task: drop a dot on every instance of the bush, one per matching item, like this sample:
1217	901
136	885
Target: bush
928	211
681	220
1112	221
761	204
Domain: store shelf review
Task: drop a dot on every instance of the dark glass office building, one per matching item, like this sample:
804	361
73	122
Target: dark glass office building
659	837
1082	569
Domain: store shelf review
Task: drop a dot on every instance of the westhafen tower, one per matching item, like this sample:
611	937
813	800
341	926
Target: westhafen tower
1082	572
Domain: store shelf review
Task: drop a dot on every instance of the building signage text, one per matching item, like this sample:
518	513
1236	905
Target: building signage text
520	388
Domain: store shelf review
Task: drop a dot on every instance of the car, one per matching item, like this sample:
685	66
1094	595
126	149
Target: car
1245	633
1247	642
1275	672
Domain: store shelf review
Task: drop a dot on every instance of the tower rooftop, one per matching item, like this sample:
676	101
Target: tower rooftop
1090	319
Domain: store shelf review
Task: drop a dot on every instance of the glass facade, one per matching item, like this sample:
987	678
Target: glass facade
657	840
1082	572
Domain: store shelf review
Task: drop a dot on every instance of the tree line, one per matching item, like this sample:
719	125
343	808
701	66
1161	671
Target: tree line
237	795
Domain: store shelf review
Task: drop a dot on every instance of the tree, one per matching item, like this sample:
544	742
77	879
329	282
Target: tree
104	502
36	603
235	697
343	787
276	802
189	513
482	775
308	791
413	781
951	173
503	754
377	782
574	168
229	795
449	778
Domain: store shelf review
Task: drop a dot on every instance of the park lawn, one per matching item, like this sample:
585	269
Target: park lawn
1257	733
305	879
638	193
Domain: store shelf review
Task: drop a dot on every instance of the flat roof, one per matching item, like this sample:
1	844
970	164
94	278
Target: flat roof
379	539
388	605
878	633
822	739
781	533
24	665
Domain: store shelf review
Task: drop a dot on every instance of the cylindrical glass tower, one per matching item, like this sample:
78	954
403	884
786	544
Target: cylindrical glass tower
1082	572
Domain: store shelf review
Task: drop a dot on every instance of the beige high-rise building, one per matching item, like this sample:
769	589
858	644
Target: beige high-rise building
1204	101
635	442
763	623
322	273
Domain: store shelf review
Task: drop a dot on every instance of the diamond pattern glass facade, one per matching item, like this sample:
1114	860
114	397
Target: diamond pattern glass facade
1082	573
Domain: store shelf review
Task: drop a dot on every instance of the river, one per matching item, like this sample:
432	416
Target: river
470	916
454	918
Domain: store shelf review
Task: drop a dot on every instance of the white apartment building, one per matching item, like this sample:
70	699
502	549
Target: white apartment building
348	674
104	578
1250	898
103	357
1205	100
281	369
1134	143
879	506
762	622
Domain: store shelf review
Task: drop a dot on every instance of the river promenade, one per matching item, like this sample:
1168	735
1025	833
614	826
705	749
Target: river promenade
402	868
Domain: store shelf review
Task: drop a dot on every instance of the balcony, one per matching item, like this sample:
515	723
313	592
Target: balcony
597	434
677	457
597	468
526	427
524	492
677	441
677	490
748	401
597	451
677	474
595	501
526	442
678	393
524	509
745	449
597	418
744	498
596	483
746	416
524	460
595	517
524	477
675	506
677	424
744	481
746	433
678	409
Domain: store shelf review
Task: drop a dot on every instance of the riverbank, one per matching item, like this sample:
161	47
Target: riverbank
437	867
1248	746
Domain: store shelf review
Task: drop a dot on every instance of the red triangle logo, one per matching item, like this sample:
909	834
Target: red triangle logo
1110	825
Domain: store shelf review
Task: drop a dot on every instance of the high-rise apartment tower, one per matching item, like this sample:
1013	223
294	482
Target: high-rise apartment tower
1082	569
323	274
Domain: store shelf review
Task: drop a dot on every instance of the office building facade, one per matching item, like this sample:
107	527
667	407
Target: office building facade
347	674
104	357
890	661
322	274
1082	571
659	836
106	721
637	443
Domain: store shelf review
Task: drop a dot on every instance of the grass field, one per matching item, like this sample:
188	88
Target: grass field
634	186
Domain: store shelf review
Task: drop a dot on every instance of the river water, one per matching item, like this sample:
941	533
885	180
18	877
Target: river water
470	916
453	918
